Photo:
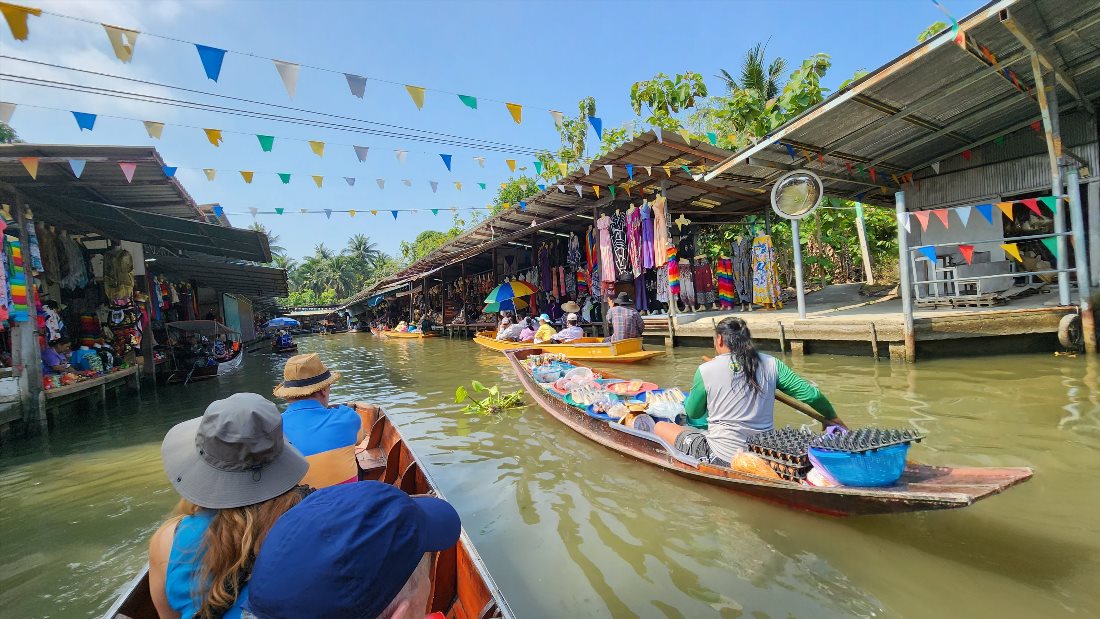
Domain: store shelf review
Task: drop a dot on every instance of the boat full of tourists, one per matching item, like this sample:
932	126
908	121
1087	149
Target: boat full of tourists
591	349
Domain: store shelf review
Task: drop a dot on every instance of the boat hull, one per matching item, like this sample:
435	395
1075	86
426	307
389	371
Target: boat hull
921	487
587	349
293	348
401	335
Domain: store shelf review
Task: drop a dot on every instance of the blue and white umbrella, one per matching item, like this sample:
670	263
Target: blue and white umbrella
282	322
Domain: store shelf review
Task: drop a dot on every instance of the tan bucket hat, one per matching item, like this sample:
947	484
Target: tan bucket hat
570	307
304	375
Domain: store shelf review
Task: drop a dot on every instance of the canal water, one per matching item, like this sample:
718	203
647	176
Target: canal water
570	529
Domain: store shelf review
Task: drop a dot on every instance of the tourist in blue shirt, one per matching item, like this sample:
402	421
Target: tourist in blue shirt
325	435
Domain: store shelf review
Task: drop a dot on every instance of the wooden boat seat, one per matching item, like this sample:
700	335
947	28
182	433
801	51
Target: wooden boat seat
649	436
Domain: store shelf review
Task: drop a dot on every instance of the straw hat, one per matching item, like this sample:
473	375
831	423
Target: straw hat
304	375
570	307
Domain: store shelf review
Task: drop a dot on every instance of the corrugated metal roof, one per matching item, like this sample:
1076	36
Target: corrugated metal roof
228	276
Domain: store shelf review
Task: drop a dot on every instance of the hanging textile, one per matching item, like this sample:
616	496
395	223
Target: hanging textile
33	249
18	281
47	245
118	275
573	252
5	291
686	246
641	302
660	230
724	270
663	283
75	267
592	253
544	268
618	243
634	240
742	269
607	253
703	279
687	283
673	274
648	261
765	278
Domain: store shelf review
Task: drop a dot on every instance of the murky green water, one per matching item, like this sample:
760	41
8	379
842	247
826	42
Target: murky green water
571	529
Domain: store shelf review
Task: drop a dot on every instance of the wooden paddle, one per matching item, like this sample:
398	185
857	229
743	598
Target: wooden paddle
801	407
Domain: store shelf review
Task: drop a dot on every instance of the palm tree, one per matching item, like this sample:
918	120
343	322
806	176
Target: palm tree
754	76
321	252
361	248
272	238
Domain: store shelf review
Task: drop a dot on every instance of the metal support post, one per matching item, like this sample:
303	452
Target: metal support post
864	248
1094	232
1077	219
904	287
27	352
1048	106
799	287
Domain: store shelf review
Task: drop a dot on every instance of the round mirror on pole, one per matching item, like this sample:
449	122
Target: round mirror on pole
795	195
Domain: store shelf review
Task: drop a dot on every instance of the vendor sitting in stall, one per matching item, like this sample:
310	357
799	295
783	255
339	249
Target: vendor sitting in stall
570	332
325	435
545	332
55	357
733	397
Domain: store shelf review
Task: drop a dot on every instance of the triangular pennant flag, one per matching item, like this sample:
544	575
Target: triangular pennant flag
999	140
516	110
6	110
458	185
435	186
1051	243
401	155
580	191
790	151
247	176
279	210
597	124
538	168
482	185
417	94
1012	250
361	152
712	137
541	187
596	189
511	164
252	210
78	166
967	154
684	133
153	128
928	252
373	212
626	188
630	171
668	170
318	180
686	169
468	101
30	163
611	188
522	205
558	117
407	182
350	180
289	72
210	173
266	142
211	58
84	120
1036	126
648	170
967	252
169	170
394	213
986	211
328	213
303	211
1051	202
563	168
285	177
351	213
480	161
507	205
214	136
1006	208
218	210
357	84
874	175
318	148
942	214
16	16
128	168
936	167
446	160
561	188
922	217
381	183
1033	204
435	211
964	213
610	174
660	135
587	167
905	221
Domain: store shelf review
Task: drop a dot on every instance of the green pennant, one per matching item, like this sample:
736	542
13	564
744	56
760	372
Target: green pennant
278	210
538	168
1052	244
435	211
266	142
471	102
713	137
285	177
862	171
685	169
612	189
1051	202
999	140
482	185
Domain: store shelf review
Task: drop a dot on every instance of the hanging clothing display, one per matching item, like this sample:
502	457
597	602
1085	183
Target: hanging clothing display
544	268
5	292
641	302
724	271
48	247
634	240
662	284
20	311
35	251
648	260
75	265
703	279
686	246
687	283
573	252
660	230
618	244
765	277
118	275
592	253
673	274
607	252
741	258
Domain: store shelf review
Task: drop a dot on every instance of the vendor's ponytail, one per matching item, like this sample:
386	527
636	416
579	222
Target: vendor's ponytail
735	335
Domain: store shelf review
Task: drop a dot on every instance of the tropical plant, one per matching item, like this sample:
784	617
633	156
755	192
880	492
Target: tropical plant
493	404
361	248
272	238
755	76
931	31
665	97
8	135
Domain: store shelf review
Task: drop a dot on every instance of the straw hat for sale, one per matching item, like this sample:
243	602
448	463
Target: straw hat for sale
304	375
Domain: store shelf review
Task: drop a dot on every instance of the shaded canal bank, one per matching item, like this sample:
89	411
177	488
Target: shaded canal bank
568	528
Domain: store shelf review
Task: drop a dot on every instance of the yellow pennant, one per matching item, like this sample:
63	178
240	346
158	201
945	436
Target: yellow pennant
247	176
30	163
668	170
596	188
352	212
210	173
417	94
373	212
507	205
1012	250
214	135
516	110
684	133
16	17
318	180
627	188
563	168
153	128
1006	208
511	164
318	148
458	185
123	41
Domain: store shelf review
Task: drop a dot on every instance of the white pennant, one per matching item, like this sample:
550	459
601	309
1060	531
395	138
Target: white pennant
6	110
357	84
660	137
435	186
408	183
252	210
401	154
587	167
936	167
648	170
610	174
289	72
905	220
964	213
381	183
350	181
561	188
361	152
480	161
558	116
579	190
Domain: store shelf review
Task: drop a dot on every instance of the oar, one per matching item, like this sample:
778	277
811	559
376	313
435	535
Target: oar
801	407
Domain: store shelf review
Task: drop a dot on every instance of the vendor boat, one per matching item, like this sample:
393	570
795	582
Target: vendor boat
289	349
461	585
202	349
920	488
592	349
408	334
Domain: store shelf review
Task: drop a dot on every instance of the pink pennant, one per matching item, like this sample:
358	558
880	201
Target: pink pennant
1033	204
922	217
128	169
967	251
941	214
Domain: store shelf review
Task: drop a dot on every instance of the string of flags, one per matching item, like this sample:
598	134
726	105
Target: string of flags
943	215
928	252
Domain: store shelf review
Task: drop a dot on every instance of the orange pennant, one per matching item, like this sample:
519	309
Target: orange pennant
16	16
1006	208
318	180
318	148
516	110
596	188
922	217
31	164
247	176
941	214
511	164
214	135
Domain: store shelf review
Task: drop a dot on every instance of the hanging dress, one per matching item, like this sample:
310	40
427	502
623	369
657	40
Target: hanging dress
703	279
634	241
573	252
544	267
660	230
765	275
662	283
687	283
724	270
741	258
607	253
673	266
592	251
618	244
648	259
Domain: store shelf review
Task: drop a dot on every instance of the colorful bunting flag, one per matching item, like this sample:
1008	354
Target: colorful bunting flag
218	210
328	213
435	186
458	185
848	164
480	161
928	252
668	170
874	176
394	213
1051	202
247	176
278	210
967	252
482	185
610	174
1012	250
253	210
407	182
214	136
712	137
986	211
417	94
373	212
401	155
435	211
511	164
446	160
6	110
1036	126
357	84
904	220
289	72
790	151
561	188
285	177
538	167
153	128
541	187
381	183
558	117
16	16
999	140
1033	205
942	214
563	168
964	213
211	58
587	167
596	189
266	142
516	110
967	154
30	163
922	217
351	213
169	170
522	205
210	173
84	121
611	188
630	171
684	133
659	134
597	124
318	148
468	101
128	168
350	180
77	166
580	191
361	152
648	170
1051	243
122	41
1006	208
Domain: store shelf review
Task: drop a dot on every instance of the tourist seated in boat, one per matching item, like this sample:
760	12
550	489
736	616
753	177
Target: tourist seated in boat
545	331
325	435
426	324
506	318
530	327
625	321
360	550
55	357
570	332
733	397
509	330
237	475
401	327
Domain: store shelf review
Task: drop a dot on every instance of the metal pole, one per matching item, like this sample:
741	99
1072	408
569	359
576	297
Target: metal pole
1094	232
798	287
864	248
904	286
1048	106
1088	325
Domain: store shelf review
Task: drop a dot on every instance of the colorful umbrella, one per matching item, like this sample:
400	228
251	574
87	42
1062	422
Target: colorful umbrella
510	290
505	305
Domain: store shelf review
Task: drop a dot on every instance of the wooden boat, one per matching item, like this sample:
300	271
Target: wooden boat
184	368
584	349
416	335
375	331
461	585
293	348
920	488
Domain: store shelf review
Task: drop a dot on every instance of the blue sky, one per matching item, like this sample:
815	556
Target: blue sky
543	55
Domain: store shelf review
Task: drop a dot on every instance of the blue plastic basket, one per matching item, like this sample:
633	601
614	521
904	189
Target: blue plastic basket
881	467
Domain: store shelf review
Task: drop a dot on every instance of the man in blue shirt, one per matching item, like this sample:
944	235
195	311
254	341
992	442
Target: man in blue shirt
325	435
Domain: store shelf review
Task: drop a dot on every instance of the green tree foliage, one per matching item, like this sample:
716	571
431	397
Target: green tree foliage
8	135
272	238
514	191
665	97
425	243
931	31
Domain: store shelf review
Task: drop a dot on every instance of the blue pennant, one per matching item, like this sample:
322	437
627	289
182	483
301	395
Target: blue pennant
986	210
597	124
85	120
78	166
929	252
394	213
211	60
790	151
522	205
446	161
630	171
218	211
542	187
169	171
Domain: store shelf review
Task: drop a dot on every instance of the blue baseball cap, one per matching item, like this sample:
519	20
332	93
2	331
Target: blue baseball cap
346	551
544	318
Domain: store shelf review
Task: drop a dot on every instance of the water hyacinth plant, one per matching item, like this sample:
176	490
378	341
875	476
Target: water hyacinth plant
493	404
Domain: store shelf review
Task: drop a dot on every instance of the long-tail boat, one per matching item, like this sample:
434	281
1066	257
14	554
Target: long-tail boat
920	488
591	349
461	586
415	335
